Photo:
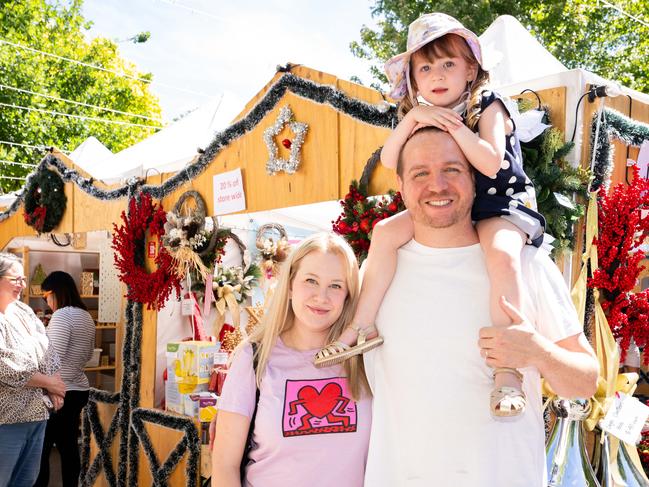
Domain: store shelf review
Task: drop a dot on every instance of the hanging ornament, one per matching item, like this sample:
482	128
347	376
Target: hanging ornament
272	251
275	164
567	461
186	237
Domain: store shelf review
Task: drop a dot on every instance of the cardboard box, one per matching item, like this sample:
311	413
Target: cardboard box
190	362
201	405
94	360
176	394
87	285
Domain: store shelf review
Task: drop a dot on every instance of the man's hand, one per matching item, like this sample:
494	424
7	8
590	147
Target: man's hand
517	345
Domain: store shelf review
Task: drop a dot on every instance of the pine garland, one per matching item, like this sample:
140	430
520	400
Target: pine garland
556	183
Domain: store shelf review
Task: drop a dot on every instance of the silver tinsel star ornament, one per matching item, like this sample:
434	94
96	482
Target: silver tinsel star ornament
275	164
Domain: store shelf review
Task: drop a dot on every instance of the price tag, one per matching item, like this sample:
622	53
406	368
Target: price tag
187	307
625	418
152	249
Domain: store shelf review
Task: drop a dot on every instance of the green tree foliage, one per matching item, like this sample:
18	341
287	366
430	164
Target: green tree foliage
587	34
59	28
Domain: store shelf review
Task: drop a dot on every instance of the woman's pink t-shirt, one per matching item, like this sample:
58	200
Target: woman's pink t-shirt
308	430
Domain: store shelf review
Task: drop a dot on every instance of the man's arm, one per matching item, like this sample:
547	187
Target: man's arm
569	365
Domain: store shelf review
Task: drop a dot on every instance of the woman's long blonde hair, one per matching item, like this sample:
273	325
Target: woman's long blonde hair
452	45
279	316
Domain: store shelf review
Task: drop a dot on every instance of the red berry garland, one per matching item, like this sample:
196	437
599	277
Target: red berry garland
144	287
622	230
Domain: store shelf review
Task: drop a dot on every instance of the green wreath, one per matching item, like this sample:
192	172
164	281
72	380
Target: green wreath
45	201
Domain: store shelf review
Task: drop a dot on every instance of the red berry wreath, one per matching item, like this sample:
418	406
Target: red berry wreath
150	288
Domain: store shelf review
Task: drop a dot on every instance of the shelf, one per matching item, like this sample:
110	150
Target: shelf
89	295
109	327
100	367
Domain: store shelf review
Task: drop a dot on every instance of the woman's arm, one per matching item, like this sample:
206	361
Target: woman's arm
59	333
51	383
230	436
485	151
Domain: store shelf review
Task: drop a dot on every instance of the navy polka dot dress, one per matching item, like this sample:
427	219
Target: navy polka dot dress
509	193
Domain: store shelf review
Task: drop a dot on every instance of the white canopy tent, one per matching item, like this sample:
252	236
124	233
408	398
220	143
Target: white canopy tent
520	62
88	153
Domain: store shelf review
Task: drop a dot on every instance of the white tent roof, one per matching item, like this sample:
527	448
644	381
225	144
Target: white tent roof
89	153
512	54
171	148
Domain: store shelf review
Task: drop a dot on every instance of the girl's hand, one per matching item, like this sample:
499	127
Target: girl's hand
443	118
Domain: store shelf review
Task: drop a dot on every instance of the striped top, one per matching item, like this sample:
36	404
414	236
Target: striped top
72	334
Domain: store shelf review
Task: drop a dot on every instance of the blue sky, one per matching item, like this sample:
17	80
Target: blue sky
230	49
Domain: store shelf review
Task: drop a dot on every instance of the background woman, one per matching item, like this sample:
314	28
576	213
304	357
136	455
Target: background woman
71	331
29	382
309	426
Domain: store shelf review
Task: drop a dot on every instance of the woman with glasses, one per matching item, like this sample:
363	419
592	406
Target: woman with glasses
29	382
71	331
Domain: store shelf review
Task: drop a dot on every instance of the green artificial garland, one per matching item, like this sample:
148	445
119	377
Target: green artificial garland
556	183
45	200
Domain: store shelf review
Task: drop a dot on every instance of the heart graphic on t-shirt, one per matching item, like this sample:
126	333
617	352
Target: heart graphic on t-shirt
322	403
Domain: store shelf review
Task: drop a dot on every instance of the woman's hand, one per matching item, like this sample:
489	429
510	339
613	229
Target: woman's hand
57	401
55	385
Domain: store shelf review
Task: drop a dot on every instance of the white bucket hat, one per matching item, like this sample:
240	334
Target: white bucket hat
425	29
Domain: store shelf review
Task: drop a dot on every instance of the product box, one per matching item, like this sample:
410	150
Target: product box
87	285
201	405
176	394
190	362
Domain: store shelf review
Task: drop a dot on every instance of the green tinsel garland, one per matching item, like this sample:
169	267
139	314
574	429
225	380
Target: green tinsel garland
45	200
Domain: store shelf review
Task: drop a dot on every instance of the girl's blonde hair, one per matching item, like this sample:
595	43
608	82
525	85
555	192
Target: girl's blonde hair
452	45
279	316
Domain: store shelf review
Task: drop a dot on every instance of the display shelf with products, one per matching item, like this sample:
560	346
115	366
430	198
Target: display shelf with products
83	266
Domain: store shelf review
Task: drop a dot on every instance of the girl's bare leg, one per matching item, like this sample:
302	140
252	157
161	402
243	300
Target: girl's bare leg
502	243
378	270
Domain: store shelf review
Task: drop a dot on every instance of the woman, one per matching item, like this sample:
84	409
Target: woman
29	381
309	426
72	335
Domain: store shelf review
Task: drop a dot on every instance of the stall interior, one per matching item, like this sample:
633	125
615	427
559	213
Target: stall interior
87	257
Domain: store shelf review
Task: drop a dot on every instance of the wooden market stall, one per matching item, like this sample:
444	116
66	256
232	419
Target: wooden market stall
127	441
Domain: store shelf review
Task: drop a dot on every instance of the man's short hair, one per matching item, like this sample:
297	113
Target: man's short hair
421	130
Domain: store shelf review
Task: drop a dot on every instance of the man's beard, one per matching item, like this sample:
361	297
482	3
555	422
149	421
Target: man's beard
421	216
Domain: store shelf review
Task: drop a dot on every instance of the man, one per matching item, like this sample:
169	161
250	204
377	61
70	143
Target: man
432	378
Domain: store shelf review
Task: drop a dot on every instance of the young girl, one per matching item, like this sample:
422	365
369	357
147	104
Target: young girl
301	417
441	82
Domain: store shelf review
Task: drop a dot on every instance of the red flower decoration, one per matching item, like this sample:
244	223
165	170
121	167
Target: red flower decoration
287	143
150	288
360	214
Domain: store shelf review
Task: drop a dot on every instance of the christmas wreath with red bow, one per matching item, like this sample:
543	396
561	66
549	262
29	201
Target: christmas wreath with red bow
45	200
150	288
